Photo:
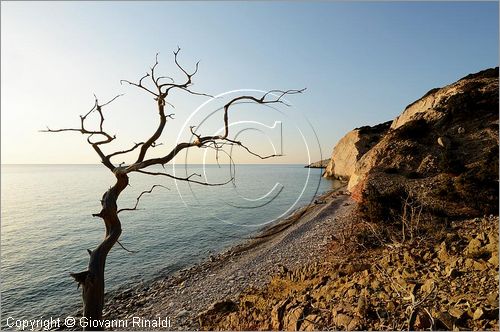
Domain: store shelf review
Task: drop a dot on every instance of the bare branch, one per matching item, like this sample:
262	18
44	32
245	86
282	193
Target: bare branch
184	86
261	100
136	145
92	281
153	70
127	250
201	140
164	77
195	93
176	53
139	198
112	100
107	137
238	143
139	85
187	179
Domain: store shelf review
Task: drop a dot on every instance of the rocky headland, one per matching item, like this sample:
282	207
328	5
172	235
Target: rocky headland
319	164
410	243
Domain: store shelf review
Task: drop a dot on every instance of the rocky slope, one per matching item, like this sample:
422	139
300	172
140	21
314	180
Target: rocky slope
420	251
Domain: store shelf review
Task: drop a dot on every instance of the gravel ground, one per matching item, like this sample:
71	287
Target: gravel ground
299	239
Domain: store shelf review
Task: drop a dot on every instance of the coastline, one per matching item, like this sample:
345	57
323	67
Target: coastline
289	243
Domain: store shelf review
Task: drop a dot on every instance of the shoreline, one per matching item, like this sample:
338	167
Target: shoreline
286	244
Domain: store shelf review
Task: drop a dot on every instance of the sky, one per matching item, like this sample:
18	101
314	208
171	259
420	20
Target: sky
361	63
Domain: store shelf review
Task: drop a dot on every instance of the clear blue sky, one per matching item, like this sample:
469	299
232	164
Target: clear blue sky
362	63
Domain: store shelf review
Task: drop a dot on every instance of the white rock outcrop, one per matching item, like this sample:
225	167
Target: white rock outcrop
349	150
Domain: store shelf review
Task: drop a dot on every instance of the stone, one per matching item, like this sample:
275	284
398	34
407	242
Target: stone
355	324
342	320
445	319
473	248
469	263
443	252
456	312
352	292
293	319
428	286
478	314
277	314
319	164
479	266
451	272
492	299
494	259
310	323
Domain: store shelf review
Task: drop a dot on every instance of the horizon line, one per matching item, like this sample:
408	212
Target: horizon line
66	164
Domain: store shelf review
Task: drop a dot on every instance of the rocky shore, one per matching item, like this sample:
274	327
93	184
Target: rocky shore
300	239
325	267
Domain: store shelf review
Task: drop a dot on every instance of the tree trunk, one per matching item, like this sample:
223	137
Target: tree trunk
92	280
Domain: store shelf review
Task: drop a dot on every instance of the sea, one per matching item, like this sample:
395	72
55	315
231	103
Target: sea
47	224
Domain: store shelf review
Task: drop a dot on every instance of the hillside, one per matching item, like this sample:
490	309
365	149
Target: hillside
420	249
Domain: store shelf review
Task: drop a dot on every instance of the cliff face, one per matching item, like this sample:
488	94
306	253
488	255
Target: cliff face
351	148
443	150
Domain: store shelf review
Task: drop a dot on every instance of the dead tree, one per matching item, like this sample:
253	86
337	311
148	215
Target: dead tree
159	87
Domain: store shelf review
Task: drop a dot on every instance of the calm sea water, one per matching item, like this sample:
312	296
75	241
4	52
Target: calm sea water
46	225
